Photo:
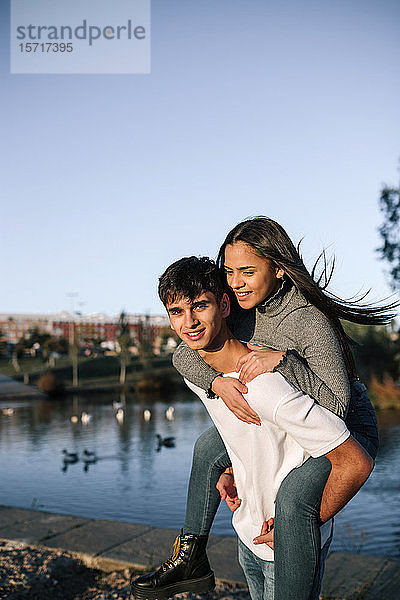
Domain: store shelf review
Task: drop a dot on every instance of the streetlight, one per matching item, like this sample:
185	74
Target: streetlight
72	350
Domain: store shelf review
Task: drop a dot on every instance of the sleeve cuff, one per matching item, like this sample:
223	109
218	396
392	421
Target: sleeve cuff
209	393
283	362
332	445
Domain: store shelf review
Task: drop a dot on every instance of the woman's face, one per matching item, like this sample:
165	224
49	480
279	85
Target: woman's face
251	276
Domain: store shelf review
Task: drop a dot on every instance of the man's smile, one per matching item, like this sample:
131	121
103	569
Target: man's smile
195	335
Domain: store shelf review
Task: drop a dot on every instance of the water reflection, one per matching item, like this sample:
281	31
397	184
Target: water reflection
136	467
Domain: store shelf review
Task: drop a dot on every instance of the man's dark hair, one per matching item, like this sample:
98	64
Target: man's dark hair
188	278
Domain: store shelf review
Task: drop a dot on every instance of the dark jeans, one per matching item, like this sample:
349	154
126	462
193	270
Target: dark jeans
260	574
296	513
297	503
361	419
297	535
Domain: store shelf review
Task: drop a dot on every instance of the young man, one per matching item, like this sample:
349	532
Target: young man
293	427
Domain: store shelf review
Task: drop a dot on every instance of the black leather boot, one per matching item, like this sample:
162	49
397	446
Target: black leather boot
188	570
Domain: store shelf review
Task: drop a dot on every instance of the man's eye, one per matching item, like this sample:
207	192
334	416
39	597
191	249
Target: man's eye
248	272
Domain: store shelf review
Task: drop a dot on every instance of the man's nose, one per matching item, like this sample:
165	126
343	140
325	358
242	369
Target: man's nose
190	320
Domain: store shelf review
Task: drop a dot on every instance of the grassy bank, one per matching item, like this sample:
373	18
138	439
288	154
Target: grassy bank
99	371
105	371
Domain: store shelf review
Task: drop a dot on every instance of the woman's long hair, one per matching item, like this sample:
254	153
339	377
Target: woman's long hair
271	241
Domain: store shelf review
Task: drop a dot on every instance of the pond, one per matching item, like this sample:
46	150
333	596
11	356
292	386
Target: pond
134	480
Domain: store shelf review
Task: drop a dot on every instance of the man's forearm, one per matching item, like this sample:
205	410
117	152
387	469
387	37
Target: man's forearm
351	467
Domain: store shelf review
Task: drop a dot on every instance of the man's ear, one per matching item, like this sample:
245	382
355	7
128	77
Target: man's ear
225	306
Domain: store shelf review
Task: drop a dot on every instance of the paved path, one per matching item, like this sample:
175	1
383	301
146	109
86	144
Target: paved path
110	545
9	388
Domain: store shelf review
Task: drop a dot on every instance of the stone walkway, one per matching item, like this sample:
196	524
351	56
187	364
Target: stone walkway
9	388
111	545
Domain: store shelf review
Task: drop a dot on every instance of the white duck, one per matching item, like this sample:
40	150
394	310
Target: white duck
170	413
85	418
7	411
119	415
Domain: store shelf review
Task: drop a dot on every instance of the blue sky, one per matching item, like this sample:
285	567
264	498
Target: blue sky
288	109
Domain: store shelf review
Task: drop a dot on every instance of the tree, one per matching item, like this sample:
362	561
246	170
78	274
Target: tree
54	345
389	204
124	343
35	340
168	339
145	338
3	345
376	350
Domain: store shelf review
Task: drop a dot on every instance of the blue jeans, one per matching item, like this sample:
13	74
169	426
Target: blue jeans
297	534
297	502
296	530
260	573
210	459
296	511
361	419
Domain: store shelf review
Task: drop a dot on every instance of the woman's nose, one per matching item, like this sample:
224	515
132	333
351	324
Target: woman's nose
236	281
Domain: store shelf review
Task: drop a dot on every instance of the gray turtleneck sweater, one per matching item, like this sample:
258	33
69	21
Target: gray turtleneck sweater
286	321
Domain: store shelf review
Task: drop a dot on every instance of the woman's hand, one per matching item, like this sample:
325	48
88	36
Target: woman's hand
260	360
230	390
267	534
227	491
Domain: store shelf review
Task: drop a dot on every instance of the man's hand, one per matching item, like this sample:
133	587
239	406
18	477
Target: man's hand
260	360
228	492
267	534
230	390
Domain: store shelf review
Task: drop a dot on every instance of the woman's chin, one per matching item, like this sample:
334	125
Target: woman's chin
246	303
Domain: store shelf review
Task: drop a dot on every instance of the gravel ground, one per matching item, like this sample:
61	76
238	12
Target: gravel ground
38	574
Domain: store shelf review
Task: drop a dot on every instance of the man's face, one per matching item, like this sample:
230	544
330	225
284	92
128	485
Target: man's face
198	322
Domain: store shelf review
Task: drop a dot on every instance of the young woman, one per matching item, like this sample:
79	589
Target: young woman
281	306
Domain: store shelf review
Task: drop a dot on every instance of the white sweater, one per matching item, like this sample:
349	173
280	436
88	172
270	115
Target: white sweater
293	428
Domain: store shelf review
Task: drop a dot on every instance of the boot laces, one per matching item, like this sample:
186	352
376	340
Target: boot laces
175	553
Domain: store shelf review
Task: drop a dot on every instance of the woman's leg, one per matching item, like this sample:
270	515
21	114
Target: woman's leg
188	568
296	529
210	459
318	579
361	419
297	538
